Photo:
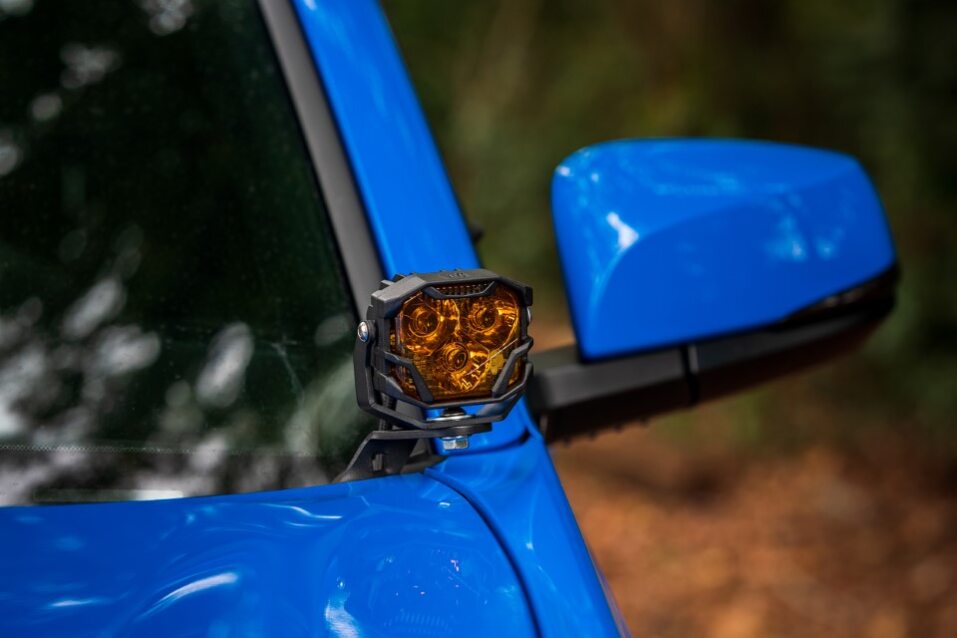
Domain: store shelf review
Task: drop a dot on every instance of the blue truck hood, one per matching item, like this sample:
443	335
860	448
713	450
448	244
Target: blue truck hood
398	556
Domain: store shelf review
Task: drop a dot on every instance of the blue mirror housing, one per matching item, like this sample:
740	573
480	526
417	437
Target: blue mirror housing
666	242
697	269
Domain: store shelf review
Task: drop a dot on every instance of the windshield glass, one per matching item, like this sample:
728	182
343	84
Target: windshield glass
174	318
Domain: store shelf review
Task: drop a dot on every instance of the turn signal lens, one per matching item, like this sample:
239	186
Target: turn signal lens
459	344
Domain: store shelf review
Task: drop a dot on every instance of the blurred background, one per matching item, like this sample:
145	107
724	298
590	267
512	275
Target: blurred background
824	504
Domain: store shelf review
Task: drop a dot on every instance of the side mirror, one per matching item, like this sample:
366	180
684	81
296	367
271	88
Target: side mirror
696	268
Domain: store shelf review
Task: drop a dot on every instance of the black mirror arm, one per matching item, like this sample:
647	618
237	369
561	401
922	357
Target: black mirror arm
570	397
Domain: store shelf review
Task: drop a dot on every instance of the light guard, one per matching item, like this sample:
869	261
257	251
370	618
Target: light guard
439	343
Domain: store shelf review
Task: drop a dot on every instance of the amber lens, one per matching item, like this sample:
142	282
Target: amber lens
458	345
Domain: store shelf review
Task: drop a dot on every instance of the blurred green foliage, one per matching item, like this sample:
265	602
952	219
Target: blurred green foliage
513	86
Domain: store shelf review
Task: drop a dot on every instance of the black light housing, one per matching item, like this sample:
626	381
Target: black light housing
439	355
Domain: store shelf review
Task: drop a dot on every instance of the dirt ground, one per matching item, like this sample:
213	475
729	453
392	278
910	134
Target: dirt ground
814	542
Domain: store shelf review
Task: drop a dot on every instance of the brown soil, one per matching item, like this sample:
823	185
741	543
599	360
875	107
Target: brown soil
815	542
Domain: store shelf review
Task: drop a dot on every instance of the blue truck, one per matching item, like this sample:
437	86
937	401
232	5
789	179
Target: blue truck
198	199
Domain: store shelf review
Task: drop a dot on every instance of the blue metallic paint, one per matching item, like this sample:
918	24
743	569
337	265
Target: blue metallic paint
517	491
400	556
418	227
409	201
684	239
395	556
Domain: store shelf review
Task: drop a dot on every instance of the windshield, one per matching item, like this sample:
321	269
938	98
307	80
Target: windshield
174	318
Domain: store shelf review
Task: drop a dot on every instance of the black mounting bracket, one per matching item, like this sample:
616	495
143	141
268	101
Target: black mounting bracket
390	451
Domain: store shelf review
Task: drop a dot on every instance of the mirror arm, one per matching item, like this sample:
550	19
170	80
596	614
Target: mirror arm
570	397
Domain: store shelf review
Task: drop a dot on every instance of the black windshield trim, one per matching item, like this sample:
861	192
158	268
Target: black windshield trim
332	167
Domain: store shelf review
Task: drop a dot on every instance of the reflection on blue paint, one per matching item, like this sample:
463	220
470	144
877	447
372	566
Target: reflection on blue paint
409	201
685	239
400	174
399	556
405	188
389	557
518	493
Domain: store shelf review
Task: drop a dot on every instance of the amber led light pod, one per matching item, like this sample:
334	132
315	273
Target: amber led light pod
434	344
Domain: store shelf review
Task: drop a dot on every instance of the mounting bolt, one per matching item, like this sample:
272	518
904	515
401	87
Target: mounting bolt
363	331
454	443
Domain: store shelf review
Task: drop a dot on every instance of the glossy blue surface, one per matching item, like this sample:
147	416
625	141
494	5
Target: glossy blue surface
400	175
517	491
402	556
682	239
409	201
418	227
460	552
